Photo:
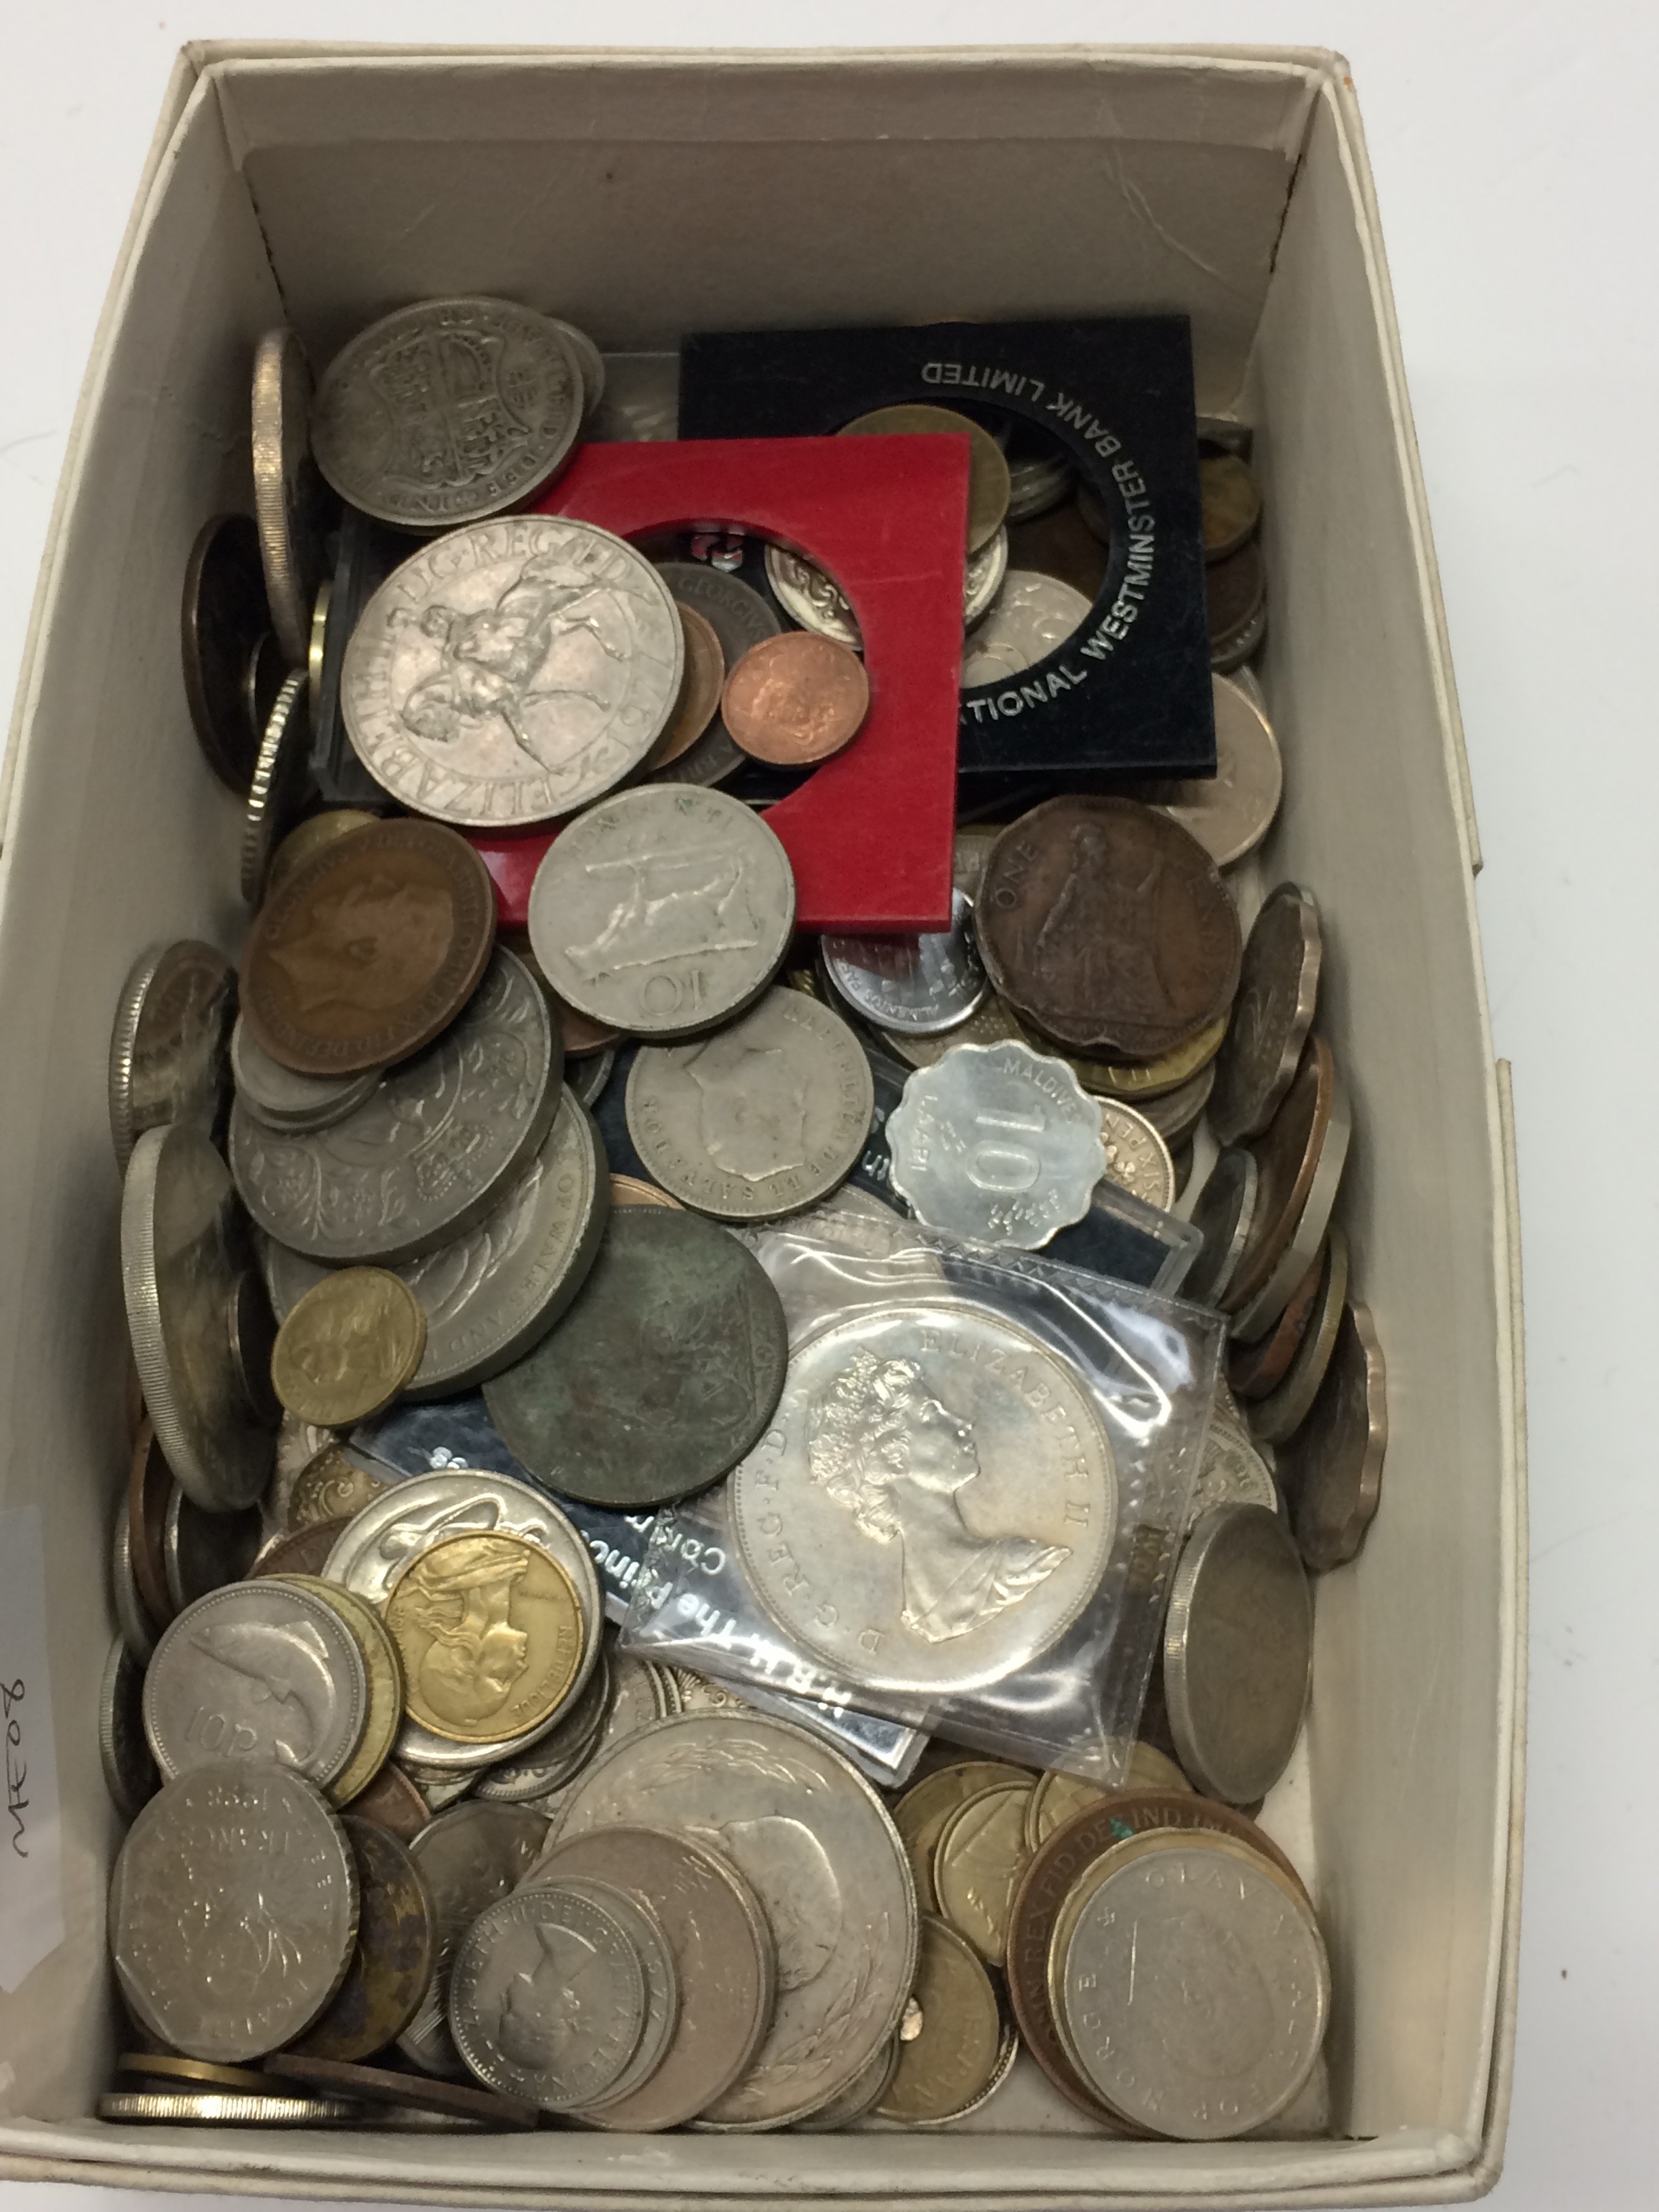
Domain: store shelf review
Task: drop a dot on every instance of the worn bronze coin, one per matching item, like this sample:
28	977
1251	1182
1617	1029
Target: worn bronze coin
921	1813
1108	926
1256	1370
150	1491
312	835
491	1633
795	699
943	2070
1278	1416
699	689
225	615
421	2092
304	1553
1232	504
1277	991
1235	595
369	948
1331	1467
200	2073
1288	1155
349	1347
394	1802
988	482
391	1962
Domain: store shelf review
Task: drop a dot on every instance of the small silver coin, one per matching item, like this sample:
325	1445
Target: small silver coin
232	1910
258	1671
282	781
166	1054
1033	615
1237	1651
662	1981
1223	1214
663	911
284	489
222	2108
917	984
998	1144
512	672
817	602
448	411
1231	1471
763	1119
469	1857
1230	812
1272	1014
1137	1158
131	1616
437	1147
130	1772
284	1099
513	2007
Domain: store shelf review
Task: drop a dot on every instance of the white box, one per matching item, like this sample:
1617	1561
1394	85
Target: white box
644	194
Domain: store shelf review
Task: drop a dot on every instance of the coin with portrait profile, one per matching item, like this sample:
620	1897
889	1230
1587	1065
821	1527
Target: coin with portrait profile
796	699
349	1347
490	1631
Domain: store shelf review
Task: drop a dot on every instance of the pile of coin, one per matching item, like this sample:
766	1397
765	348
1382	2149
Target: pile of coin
415	1841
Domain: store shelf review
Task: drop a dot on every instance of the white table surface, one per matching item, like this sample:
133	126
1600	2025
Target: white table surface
1517	166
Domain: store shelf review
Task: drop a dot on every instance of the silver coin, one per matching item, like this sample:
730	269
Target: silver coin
435	1150
983	578
739	617
918	984
1230	812
1223	1214
663	911
641	1694
167	1053
1033	614
448	411
547	2001
512	672
1036	485
946	1479
998	1144
259	1671
862	2094
469	1857
1137	1158
131	1616
232	1910
763	1119
662	1981
589	360
641	398
282	779
284	1099
223	2108
1278	992
183	1254
817	602
130	1772
562	1753
283	496
1194	1987
1237	1650
589	1074
1231	1471
494	1292
202	1551
817	1846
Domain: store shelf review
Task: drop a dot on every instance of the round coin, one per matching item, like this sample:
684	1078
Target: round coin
554	1757
308	837
130	1772
281	1099
491	1634
946	1478
448	411
1277	1417
1230	812
921	1813
761	1120
392	1801
998	1144
469	1858
349	1347
1232	504
1163	1088
224	616
988	484
1299	1156
332	1486
1277	991
644	1931
163	2066
232	1910
945	2070
1235	598
167	1050
860	2096
1256	1370
814	600
977	1863
739	617
281	782
1333	1465
202	1551
1230	1472
1109	926
700	696
796	699
306	1551
408	2094
221	2108
1238	1647
662	1374
512	672
392	1960
920	985
629	1190
1137	1158
383	1669
1033	617
665	911
150	1489
1224	1214
284	494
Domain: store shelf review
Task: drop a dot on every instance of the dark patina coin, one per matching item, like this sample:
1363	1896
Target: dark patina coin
420	2093
1235	595
392	1801
224	617
1312	1122
392	1964
661	1376
1108	926
1333	1465
305	1552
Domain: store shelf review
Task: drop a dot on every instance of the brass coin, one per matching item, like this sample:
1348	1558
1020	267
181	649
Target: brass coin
149	1491
977	1865
796	698
303	1552
392	1800
945	2069
1145	1084
312	835
391	1962
920	1814
1331	1467
1232	504
1060	1798
383	1669
988	471
629	1190
700	692
368	949
1277	1417
164	2066
330	1487
349	1347
491	1633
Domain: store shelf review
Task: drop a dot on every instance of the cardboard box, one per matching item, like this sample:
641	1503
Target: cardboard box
643	194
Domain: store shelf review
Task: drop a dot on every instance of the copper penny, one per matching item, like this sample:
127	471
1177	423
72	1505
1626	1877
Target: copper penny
421	2093
1278	990
1110	926
390	1963
369	948
150	1493
796	698
1287	1155
1331	1467
392	1800
1256	1370
700	690
304	1553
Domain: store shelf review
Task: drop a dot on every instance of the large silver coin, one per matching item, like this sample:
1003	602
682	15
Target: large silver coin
469	1857
1237	1652
934	1503
917	984
166	1051
494	1292
184	1256
448	411
817	602
1194	1988
1033	614
512	672
1230	812
437	1148
233	1912
998	1144
663	911
815	1844
763	1119
548	1998
258	1670
284	1099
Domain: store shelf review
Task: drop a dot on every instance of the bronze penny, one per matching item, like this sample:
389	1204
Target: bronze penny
1256	1370
1110	926
1232	504
305	1553
1331	1467
988	482
1287	1156
1235	595
391	1962
421	2093
795	699
393	1801
150	1493
1278	989
368	949
700	692
224	617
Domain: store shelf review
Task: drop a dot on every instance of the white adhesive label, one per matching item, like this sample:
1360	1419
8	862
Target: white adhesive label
30	1842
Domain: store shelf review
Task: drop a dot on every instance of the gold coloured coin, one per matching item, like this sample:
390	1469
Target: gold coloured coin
947	2067
490	1630
383	1667
349	1345
312	835
977	1864
629	1190
1137	1080
200	2073
1058	1796
987	477
920	1814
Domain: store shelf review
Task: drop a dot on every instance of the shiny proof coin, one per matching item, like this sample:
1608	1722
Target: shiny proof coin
920	985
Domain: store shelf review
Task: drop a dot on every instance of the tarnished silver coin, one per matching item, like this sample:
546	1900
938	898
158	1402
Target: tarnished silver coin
185	1262
589	360
644	1931
1137	1158
917	984
1231	1472
1333	1463
167	1051
469	1857
1230	812
448	411
561	1753
232	1910
284	490
512	672
817	602
548	1997
1033	614
589	1074
259	1670
663	911
130	1772
202	1551
1272	1014
815	1844
443	1140
282	779
1237	1650
998	1144
1037	482
934	1502
763	1119
131	1616
640	1694
739	618
492	1294
283	1098
1223	1213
